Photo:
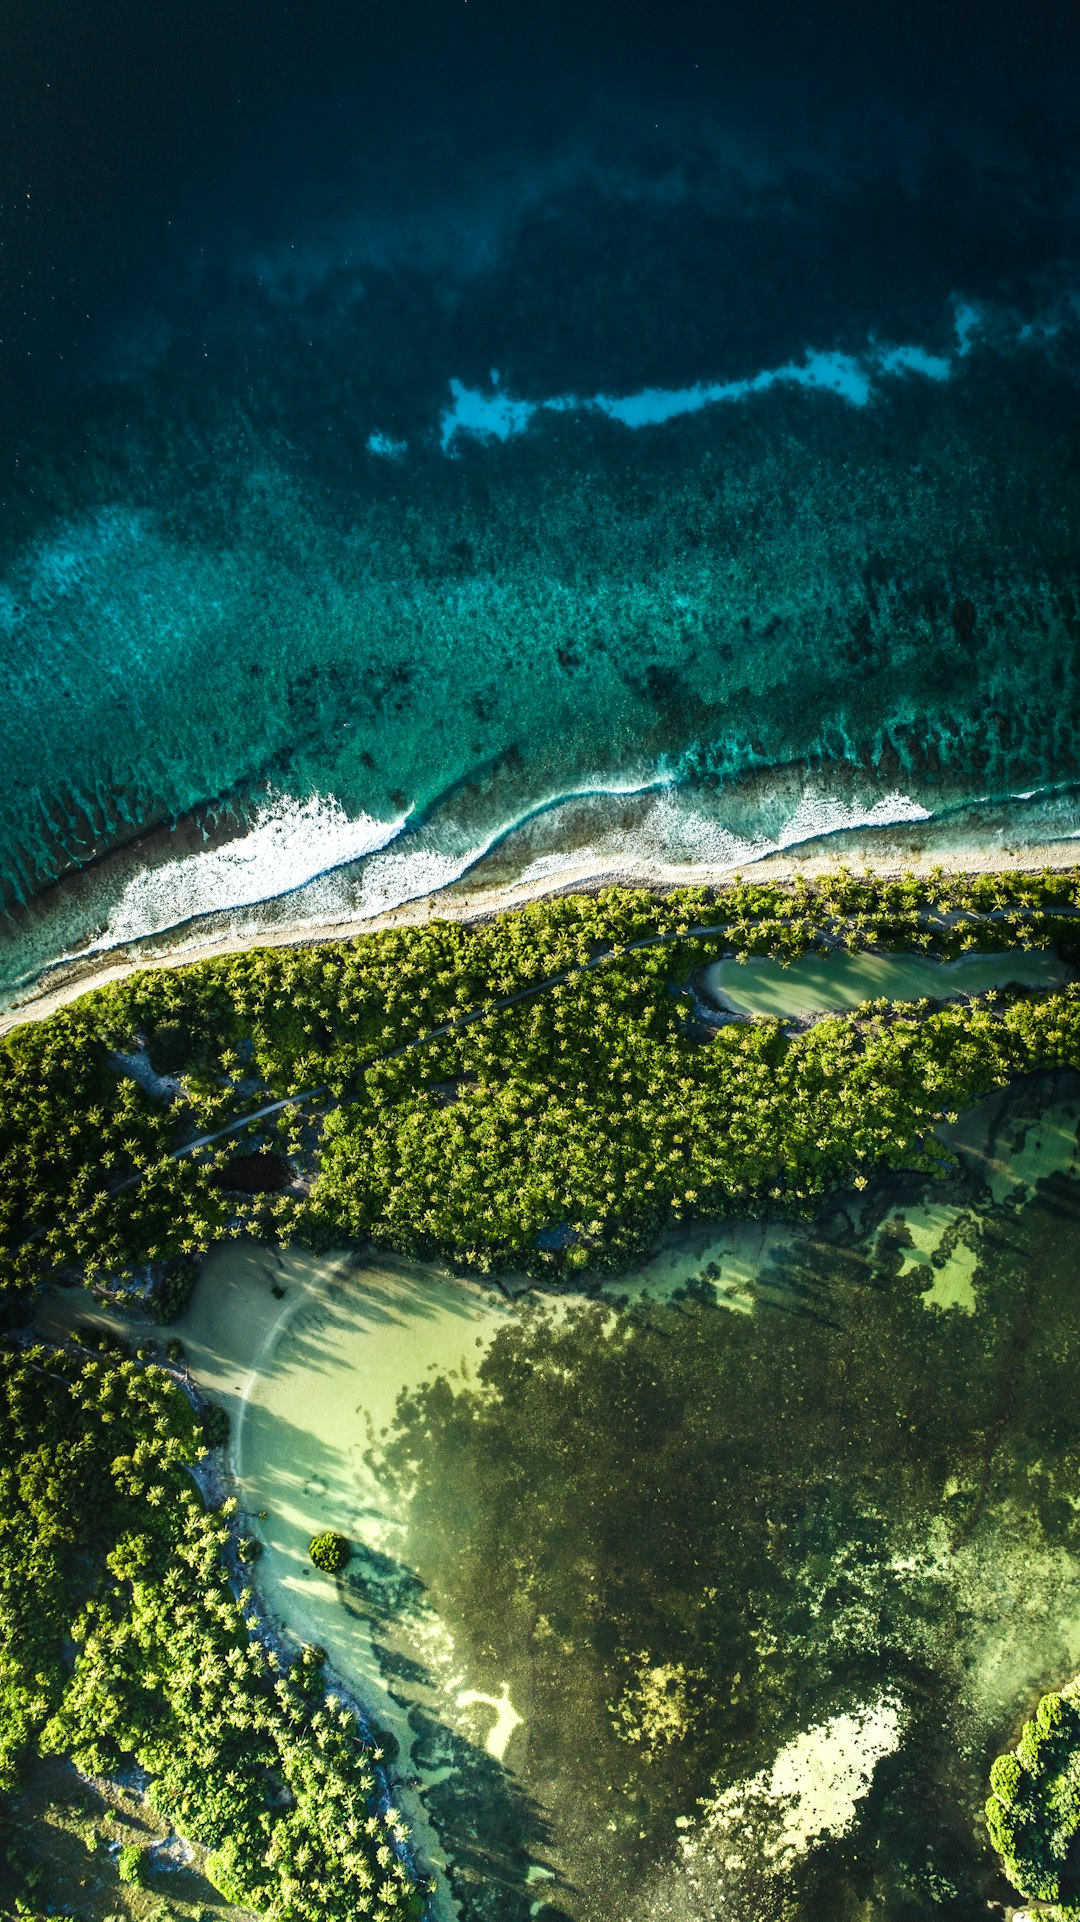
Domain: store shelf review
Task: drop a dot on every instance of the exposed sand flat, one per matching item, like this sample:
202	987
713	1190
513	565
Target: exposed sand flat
309	1354
460	902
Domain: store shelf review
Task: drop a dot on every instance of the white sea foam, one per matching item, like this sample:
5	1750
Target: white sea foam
288	843
293	846
496	416
385	445
675	833
411	869
827	814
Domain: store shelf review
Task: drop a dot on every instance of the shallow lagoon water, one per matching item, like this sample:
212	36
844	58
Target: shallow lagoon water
820	984
625	1565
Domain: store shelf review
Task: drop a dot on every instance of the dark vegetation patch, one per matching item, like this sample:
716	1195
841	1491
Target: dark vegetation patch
256	1174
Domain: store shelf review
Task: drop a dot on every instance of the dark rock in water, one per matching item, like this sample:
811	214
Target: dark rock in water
963	620
258	1174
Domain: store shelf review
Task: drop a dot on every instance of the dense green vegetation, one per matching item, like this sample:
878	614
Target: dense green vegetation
106	1550
330	1552
131	1864
1033	1814
553	1134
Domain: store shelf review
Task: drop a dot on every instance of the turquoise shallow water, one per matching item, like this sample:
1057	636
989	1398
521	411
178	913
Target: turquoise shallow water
487	634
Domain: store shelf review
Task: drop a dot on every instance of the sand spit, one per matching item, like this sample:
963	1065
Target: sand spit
459	902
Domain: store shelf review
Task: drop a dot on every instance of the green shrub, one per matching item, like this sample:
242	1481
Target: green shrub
1005	1776
1033	1814
1051	1715
216	1426
132	1864
1030	1744
223	1871
308	1670
330	1552
174	1289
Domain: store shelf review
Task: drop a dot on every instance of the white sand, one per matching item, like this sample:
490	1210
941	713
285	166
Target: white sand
463	904
311	1378
810	1792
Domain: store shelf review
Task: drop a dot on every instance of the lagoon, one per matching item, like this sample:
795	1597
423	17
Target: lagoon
627	1563
831	983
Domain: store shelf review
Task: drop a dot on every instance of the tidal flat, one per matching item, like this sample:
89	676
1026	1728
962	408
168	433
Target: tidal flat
675	1611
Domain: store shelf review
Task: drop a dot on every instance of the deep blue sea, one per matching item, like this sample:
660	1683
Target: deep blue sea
478	439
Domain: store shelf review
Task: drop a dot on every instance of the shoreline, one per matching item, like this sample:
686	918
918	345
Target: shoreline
219	1479
233	1332
69	980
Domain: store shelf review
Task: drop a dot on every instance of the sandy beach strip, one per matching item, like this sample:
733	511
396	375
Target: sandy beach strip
459	902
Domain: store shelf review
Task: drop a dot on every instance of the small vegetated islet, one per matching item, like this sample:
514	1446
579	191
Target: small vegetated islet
330	1552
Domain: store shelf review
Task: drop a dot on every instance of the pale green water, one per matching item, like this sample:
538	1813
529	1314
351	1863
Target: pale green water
945	1262
621	1572
311	1377
819	984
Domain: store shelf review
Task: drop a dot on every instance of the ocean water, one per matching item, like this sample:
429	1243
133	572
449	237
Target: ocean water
471	446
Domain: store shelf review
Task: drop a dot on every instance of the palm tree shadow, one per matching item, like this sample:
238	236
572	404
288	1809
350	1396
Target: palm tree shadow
493	1830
